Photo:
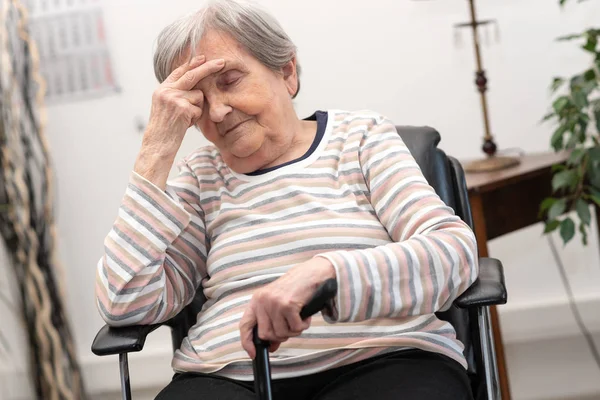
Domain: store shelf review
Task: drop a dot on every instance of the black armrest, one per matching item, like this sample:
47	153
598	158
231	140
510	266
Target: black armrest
489	288
116	340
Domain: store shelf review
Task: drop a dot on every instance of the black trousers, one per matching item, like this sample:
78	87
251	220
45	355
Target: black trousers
406	375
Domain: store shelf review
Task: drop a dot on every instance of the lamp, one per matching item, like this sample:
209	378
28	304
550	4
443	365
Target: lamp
492	161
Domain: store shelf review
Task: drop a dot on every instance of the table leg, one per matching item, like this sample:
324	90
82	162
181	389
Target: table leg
481	235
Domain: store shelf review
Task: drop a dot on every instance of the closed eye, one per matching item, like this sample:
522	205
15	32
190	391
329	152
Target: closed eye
231	81
230	78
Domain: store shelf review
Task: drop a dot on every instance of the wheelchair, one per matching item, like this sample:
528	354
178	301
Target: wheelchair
469	314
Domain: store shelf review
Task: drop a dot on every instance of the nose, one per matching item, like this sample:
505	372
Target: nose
218	109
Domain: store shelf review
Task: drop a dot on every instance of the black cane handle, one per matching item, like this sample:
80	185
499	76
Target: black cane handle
260	365
320	299
318	302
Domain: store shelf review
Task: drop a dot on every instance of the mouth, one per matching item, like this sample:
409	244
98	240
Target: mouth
235	127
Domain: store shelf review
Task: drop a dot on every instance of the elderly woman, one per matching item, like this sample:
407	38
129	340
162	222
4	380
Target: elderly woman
272	208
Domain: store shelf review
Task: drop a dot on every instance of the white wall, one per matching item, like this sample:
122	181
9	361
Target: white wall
14	380
394	56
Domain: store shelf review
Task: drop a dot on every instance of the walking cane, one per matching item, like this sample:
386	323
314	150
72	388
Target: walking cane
260	364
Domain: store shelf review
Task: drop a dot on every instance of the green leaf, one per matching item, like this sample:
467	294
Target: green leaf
557	140
563	179
593	166
589	87
590	44
560	103
557	82
576	156
578	132
557	209
590	75
547	203
551	226
583	211
574	138
568	37
584	235
594	153
595	196
576	82
548	116
586	82
579	99
558	167
597	118
567	229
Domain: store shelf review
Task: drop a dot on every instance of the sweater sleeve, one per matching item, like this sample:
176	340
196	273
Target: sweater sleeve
433	255
155	254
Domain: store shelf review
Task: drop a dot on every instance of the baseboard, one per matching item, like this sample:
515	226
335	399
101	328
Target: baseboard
550	319
553	369
14	383
150	370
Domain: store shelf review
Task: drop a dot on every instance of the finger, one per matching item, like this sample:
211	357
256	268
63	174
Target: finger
274	346
296	324
306	323
195	97
196	118
265	328
247	323
192	112
281	327
196	113
182	69
191	78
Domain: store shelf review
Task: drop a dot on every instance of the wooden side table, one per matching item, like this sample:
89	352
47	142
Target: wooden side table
503	202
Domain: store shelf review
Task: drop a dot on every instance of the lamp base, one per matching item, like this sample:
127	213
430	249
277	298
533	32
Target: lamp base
493	163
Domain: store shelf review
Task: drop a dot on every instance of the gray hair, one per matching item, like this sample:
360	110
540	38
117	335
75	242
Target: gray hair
251	26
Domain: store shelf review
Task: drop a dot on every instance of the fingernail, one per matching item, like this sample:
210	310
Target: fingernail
220	61
200	57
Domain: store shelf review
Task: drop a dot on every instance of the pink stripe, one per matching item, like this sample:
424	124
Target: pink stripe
140	213
161	199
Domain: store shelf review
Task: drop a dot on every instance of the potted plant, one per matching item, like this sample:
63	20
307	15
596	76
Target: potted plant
576	113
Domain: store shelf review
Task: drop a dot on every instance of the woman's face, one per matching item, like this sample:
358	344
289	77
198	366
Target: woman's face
247	106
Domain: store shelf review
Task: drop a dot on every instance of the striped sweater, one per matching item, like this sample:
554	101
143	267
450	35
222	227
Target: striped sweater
359	199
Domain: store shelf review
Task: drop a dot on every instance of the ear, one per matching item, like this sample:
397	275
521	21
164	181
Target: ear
290	77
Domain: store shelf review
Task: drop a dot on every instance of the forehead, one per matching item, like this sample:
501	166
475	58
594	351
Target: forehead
216	44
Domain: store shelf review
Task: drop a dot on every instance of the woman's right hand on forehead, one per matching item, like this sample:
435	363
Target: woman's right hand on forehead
176	106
